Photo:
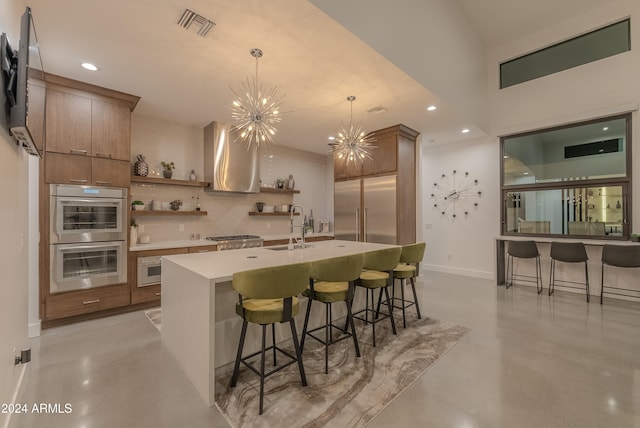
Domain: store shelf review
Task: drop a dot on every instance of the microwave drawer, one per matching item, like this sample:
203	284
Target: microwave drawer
86	301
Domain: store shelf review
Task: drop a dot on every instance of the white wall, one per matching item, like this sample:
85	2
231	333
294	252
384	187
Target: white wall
605	87
160	140
460	245
13	229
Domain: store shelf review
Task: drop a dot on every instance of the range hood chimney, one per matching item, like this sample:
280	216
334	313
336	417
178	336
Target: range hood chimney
229	166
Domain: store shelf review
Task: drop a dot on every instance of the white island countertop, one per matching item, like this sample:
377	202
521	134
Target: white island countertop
221	265
199	325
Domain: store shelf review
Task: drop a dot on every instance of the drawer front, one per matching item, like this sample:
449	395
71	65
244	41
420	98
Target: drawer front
145	294
86	301
203	249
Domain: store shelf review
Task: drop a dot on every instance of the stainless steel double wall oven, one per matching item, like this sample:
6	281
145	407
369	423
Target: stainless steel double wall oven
88	237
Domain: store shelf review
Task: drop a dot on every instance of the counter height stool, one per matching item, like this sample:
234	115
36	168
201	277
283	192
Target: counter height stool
268	296
621	256
378	274
408	268
524	250
568	252
332	280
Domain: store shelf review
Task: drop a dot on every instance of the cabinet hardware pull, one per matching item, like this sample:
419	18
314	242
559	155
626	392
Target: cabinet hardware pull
78	152
158	293
88	302
103	155
76	180
106	183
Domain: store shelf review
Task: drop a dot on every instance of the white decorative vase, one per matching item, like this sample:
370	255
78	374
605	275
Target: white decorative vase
133	236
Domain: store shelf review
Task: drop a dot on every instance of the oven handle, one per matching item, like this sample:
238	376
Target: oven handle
94	201
63	248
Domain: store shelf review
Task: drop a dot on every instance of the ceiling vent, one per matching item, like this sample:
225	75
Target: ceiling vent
190	18
377	109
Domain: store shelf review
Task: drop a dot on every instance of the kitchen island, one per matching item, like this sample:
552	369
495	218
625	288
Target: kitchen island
199	325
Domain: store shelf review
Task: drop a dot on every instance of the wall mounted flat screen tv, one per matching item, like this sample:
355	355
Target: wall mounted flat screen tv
26	88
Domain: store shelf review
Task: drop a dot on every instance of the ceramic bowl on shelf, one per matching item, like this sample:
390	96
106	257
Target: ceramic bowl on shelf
144	239
268	209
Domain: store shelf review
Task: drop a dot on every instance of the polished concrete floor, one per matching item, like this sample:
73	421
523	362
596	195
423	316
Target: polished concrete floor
529	361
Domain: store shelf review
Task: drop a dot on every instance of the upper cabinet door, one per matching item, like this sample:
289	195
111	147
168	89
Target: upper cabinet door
68	123
110	130
383	157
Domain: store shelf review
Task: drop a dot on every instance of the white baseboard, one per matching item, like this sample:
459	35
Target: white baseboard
459	271
34	329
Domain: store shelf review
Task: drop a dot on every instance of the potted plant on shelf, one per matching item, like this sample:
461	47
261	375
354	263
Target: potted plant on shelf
134	232
280	183
167	172
137	205
259	206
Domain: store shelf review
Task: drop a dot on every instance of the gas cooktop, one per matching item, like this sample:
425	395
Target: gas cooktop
231	237
232	242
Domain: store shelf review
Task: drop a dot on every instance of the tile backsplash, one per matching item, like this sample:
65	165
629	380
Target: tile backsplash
227	213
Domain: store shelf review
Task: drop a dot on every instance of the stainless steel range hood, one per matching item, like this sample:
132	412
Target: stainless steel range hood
228	165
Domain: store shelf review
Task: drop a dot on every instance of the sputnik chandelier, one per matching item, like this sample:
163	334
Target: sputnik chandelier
352	144
255	111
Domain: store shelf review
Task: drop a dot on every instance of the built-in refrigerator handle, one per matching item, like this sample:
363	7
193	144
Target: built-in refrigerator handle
365	225
357	224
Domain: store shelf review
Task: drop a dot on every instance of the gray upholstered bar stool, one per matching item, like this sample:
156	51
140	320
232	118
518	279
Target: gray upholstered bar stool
619	256
267	296
524	250
568	252
331	281
378	274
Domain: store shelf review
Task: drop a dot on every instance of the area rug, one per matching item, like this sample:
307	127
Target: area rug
354	391
155	316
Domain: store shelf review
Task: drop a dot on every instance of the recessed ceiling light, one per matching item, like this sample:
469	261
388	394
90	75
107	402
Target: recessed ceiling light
89	66
525	173
465	131
606	128
431	108
332	138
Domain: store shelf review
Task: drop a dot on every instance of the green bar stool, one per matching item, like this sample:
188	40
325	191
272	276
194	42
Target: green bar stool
268	296
331	281
408	268
378	275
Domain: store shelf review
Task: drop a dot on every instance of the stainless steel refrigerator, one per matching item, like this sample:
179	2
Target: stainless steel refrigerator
366	209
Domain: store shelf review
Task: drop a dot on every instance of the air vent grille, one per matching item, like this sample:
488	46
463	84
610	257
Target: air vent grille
377	109
190	18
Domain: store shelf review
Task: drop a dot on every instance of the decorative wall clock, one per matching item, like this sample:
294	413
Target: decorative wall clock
455	194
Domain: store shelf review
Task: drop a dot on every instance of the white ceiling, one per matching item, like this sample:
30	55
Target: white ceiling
314	62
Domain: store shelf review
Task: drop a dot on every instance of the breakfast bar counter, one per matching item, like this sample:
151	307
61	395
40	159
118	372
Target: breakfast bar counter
199	325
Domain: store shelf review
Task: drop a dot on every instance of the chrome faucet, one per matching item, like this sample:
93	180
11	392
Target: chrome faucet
301	226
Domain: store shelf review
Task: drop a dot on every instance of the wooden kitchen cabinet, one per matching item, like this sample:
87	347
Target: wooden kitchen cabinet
203	249
85	301
148	293
72	169
108	172
110	130
387	157
68	123
88	120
